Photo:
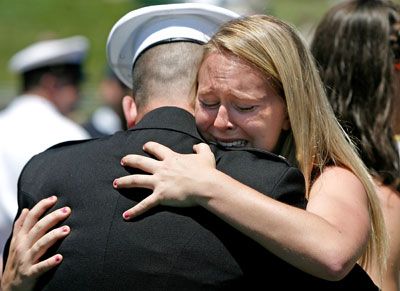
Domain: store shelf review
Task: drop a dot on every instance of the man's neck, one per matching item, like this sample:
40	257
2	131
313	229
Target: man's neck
162	103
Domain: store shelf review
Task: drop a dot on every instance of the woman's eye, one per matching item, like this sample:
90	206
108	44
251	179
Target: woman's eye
245	108
209	104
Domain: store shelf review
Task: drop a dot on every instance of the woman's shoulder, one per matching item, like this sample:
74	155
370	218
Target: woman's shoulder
339	176
337	183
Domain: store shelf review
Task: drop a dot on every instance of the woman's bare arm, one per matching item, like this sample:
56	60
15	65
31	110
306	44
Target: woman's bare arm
325	241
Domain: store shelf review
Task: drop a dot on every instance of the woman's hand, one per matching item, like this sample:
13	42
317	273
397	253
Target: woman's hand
31	239
175	178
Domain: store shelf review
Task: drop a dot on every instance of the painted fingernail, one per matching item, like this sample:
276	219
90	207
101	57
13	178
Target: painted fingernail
125	215
122	162
115	183
58	258
65	229
65	210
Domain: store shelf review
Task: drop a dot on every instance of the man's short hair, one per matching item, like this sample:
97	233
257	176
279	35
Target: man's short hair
166	70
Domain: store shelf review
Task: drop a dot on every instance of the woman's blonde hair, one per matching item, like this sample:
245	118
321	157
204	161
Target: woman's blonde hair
276	49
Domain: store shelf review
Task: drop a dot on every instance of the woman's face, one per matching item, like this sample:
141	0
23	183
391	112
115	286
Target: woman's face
236	105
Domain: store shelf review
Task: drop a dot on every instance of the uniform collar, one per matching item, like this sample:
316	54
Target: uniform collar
170	118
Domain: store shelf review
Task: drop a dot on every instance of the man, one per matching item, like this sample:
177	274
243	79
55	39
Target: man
175	249
166	248
51	72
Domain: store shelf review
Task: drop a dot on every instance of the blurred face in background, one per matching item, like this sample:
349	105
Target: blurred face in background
63	86
66	97
112	91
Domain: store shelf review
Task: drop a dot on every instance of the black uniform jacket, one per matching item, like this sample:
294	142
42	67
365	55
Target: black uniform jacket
166	248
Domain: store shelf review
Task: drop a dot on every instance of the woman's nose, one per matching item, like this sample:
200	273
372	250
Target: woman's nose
222	120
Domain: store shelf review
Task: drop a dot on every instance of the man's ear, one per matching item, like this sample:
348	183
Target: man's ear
130	110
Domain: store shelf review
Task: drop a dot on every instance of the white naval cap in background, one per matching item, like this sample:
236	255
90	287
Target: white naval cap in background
148	26
71	50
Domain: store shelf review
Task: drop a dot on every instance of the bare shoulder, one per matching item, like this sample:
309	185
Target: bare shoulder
336	179
339	192
339	172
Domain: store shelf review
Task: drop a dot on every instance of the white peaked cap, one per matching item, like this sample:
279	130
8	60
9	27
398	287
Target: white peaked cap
71	50
152	25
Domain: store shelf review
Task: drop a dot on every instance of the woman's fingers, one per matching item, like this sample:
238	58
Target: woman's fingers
46	241
37	211
205	152
17	228
46	265
134	181
47	222
158	150
170	177
144	205
31	239
20	221
203	149
143	163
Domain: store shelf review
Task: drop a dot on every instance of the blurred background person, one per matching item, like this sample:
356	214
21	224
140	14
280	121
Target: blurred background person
108	118
50	75
356	45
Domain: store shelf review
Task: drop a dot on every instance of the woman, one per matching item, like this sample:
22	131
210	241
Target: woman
357	47
285	111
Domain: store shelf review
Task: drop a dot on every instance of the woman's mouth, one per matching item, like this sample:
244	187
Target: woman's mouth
233	144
